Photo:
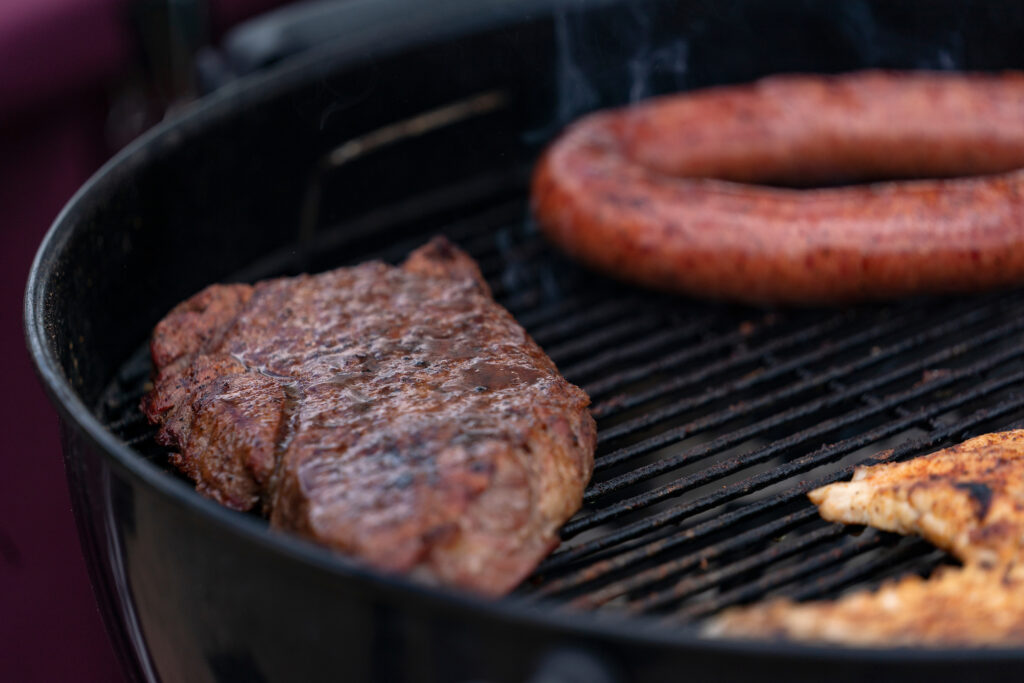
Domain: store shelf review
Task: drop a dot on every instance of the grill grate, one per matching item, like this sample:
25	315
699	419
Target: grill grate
714	420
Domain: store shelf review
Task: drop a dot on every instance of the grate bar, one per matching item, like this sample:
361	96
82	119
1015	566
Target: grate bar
648	344
636	324
739	435
697	584
539	315
138	440
570	325
621	403
636	555
780	577
857	572
735	464
665	570
809	380
129	422
822	456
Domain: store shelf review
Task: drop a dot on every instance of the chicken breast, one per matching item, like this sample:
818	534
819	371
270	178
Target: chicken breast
967	499
955	606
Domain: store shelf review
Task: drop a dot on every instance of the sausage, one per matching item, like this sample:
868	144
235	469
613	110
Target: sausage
675	194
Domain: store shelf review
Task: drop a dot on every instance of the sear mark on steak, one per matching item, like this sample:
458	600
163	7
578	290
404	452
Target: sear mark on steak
396	414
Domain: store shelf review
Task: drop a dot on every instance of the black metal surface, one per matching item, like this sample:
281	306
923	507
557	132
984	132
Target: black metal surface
715	420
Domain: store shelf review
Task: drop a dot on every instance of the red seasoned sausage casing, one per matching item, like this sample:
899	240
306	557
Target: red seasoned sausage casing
660	193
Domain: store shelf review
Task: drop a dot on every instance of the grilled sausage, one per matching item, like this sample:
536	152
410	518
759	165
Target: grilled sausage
660	194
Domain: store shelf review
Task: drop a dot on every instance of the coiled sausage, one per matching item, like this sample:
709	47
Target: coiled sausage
661	193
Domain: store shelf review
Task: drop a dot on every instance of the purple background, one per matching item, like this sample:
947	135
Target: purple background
60	60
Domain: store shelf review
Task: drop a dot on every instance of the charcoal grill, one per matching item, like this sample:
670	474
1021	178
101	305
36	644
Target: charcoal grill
714	419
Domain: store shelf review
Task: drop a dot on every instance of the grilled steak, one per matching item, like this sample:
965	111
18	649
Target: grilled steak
396	414
968	499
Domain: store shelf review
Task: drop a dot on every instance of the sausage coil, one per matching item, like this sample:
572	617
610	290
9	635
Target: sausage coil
666	193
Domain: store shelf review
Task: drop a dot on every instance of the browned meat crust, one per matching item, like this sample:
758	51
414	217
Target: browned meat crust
650	194
968	499
396	414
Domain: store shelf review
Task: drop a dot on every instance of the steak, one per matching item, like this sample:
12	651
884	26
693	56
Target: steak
396	414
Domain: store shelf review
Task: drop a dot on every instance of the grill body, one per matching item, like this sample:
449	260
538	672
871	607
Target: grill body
325	162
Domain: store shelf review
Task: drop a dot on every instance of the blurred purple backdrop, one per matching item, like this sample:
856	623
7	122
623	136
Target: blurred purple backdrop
62	62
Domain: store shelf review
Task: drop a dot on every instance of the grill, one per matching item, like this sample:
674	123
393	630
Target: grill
714	420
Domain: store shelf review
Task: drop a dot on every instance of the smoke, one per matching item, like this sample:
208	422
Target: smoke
610	53
879	35
615	52
651	66
575	91
654	65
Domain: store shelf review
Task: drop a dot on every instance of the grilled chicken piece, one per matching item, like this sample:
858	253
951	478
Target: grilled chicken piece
955	606
396	414
967	499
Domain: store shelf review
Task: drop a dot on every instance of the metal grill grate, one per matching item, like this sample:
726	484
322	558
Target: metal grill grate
714	420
